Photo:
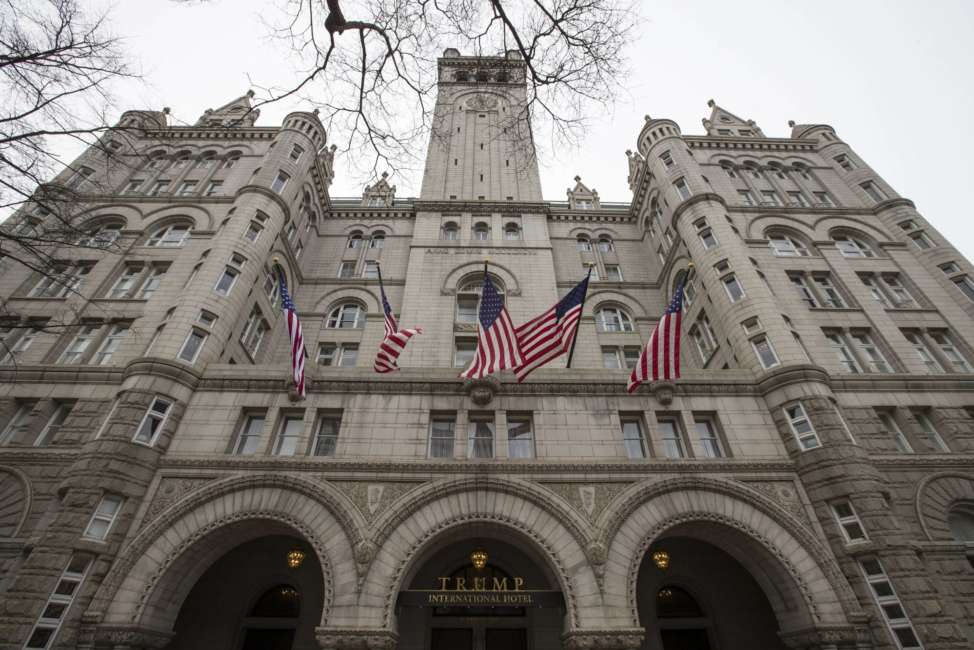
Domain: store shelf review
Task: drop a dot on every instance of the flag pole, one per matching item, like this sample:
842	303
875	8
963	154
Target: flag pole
571	351
378	268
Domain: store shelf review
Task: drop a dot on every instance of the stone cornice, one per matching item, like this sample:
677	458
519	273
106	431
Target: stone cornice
792	374
897	202
481	207
924	461
178	372
603	639
760	144
693	200
903	382
210	133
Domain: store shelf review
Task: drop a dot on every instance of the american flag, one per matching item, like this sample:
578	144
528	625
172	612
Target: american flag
395	339
297	338
497	346
551	334
660	359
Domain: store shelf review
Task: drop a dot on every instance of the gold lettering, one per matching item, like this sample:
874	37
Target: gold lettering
479	584
443	582
461	584
518	582
500	584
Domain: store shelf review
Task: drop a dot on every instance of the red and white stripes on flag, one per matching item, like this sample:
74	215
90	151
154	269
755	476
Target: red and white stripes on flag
497	346
297	338
551	334
395	339
660	359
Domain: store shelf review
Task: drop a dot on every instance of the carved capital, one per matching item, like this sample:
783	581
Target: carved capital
663	392
348	638
605	639
482	390
826	637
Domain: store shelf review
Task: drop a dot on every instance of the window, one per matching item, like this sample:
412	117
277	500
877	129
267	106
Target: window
205	161
378	240
703	336
370	270
133	186
950	352
348	315
102	237
450	231
346	270
249	436
822	199
735	291
480	436
873	191
463	352
671	438
60	281
892	429
280	182
797	199
606	245
801	286
326	435
728	169
354	240
58	604
746	197
923	352
292	426
593	272
75	351
705	233
682	188
214	188
613	273
54	423
706	426
481	231
875	361
878	295
17	426
229	276
123	286
254	332
852	247
764	351
801	427
12	349
770	197
785	246
632	437
848	522
960	520
846	359
253	231
921	241
512	232
231	161
79	177
103	517
342	355
615	358
966	285
187	188
152	281
192	345
831	296
751	326
666	158
889	603
614	319
111	344
901	298
928	432
442	436
520	436
152	422
296	151
172	236
291	231
844	162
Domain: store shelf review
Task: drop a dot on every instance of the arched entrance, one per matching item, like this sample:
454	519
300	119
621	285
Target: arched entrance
265	594
692	595
479	592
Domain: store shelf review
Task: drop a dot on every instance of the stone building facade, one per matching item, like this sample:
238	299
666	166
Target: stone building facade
808	483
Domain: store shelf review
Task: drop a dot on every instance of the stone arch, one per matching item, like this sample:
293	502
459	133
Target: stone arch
15	500
935	495
331	299
200	217
799	576
162	563
759	225
452	280
598	299
538	520
826	226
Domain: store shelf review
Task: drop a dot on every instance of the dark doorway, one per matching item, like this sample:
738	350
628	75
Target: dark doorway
452	639
506	639
685	640
268	640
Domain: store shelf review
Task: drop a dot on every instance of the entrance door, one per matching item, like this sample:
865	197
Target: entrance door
506	639
455	638
685	639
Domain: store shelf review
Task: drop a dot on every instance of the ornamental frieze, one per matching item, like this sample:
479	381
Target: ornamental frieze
590	499
370	497
170	490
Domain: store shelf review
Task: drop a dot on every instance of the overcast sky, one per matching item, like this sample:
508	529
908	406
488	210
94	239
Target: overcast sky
893	77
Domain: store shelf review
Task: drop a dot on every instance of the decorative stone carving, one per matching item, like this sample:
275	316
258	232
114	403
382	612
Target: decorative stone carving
783	492
171	489
372	498
832	636
347	638
14	503
663	392
127	637
604	639
590	499
482	102
482	390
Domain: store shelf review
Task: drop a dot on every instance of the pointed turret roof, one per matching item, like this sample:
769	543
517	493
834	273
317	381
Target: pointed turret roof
239	112
721	121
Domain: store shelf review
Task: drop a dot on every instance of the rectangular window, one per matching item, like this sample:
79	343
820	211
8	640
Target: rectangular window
770	197
152	422
847	360
830	295
192	345
280	182
463	352
253	231
682	188
733	286
58	604
53	426
889	603
632	437
292	426
844	162
442	435
801	286
326	435
893	430
923	352
296	151
152	281
613	273
958	362
875	291
103	517
160	187
670	437
111	344
61	281
467	309
520	436
257	337
229	276
123	286
707	435
249	436
17	426
188	188
13	350
921	241
901	298
822	199
133	186
480	436
930	434
346	270
848	522
746	197
371	270
797	199
764	351
873	191
666	158
75	352
214	188
801	427
966	286
875	361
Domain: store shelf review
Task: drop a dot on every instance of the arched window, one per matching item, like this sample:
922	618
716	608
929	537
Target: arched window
728	168
752	169
348	315
583	244
676	602
171	236
355	239
103	236
851	246
783	245
378	239
614	319
156	160
960	520
205	160
483	76
181	160
468	297
282	601
231	159
778	170
512	232
450	231
605	244
481	231
802	171
657	211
